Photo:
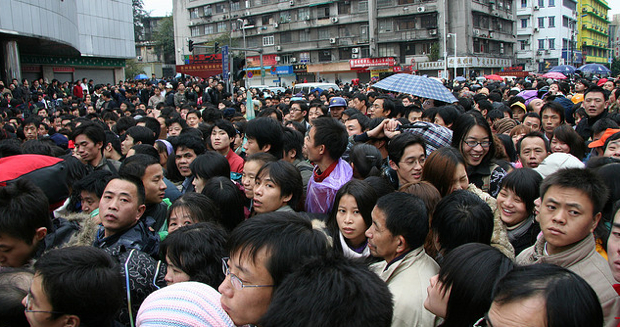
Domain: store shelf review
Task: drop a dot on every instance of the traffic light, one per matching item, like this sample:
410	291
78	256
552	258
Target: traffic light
216	47
190	45
238	65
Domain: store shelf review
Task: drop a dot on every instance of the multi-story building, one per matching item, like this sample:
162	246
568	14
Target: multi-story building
614	36
594	31
152	56
66	40
308	40
547	34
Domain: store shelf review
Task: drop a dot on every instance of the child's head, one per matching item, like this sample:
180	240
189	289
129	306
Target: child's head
191	208
194	253
351	213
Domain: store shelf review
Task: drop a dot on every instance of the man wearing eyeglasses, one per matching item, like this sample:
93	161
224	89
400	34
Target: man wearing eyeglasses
263	251
74	286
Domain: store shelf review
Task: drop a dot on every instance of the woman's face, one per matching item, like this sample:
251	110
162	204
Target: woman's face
460	181
554	89
248	179
175	129
179	216
558	146
612	149
512	209
350	221
474	155
174	274
199	184
437	299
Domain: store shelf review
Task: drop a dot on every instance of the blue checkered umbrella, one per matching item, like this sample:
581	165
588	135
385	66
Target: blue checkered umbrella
595	69
564	69
416	85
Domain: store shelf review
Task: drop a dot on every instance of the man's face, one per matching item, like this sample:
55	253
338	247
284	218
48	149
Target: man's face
580	87
157	91
550	120
30	131
532	122
533	152
359	105
38	301
183	158
127	143
119	209
89	201
251	147
594	103
336	112
15	252
381	242
376	110
193	120
566	217
353	127
409	168
154	185
247	305
415	116
87	149
220	141
313	151
296	113
613	247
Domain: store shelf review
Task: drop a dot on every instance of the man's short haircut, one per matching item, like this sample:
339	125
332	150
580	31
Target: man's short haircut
266	130
210	164
34	120
364	121
288	239
316	293
332	134
287	177
135	181
532	114
597	89
152	124
388	105
23	209
533	134
94	182
189	141
84	281
136	165
583	180
228	198
123	124
485	104
462	217
114	140
405	215
361	97
141	134
293	140
303	105
603	124
92	131
569	299
555	107
396	147
146	149
226	126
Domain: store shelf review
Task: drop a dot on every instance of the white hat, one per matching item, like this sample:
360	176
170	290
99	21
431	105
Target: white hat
557	161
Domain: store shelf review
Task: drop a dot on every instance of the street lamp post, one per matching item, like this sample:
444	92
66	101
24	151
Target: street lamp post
453	35
245	52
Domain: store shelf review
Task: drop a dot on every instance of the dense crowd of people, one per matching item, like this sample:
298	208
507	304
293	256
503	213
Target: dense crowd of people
177	203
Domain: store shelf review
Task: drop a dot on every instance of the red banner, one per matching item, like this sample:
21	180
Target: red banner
201	70
205	58
372	62
63	69
254	61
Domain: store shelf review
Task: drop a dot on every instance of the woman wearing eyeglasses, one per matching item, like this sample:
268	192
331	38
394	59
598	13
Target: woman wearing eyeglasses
473	138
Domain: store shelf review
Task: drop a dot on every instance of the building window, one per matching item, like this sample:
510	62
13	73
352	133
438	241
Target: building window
541	22
362	6
406	2
569	4
268	40
222	27
551	43
253	42
304	36
541	44
386	50
286	37
428	21
266	20
207	10
324	33
523	44
364	33
523	3
385	26
508	5
551	21
195	30
344	9
303	14
565	21
541	3
285	17
551	3
322	12
344	53
524	23
209	29
325	55
405	24
564	44
220	8
384	3
193	13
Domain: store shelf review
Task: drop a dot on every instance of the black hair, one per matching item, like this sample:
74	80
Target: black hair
569	300
23	209
405	215
266	113
288	239
137	182
364	121
123	124
114	140
293	140
603	124
197	250
449	114
566	134
286	176
200	207
396	147
366	160
92	131
470	272
596	89
332	134
533	134
82	281
266	131
381	185
136	165
583	180
555	107
525	183
330	292
14	286
226	126
612	137
141	134
94	182
210	164
9	147
188	141
388	105
228	198
461	217
152	124
36	147
463	125
146	149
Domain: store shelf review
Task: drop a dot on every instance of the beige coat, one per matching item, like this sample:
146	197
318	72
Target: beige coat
408	279
583	260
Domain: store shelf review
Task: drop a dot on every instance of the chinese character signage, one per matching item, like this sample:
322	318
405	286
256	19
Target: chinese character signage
372	62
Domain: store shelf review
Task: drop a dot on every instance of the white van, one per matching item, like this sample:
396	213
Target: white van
305	88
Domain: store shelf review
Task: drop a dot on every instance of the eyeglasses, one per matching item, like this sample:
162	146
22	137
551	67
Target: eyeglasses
473	143
29	306
483	322
234	280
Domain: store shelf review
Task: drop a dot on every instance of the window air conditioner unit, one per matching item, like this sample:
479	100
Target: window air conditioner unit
355	56
477	32
539	53
355	50
332	40
421	9
432	32
139	58
293	60
491	34
547	51
247	13
292	3
308	17
278	48
501	51
334	19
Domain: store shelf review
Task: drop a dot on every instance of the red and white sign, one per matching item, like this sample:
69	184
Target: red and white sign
63	69
372	62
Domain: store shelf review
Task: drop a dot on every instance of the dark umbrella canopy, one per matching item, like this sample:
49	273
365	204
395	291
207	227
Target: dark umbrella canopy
416	85
564	69
595	69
